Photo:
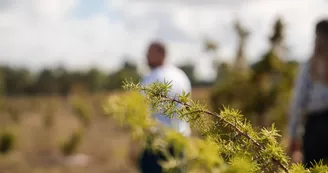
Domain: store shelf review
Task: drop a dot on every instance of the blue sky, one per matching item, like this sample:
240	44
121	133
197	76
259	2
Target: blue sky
86	8
85	33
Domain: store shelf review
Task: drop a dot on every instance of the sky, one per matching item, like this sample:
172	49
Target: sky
81	34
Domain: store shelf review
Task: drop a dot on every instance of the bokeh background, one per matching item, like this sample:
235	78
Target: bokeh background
59	59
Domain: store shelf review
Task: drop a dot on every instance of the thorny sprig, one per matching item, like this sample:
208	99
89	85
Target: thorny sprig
234	136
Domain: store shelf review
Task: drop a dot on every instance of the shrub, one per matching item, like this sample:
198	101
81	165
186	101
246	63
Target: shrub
70	146
82	110
50	112
7	141
228	142
263	96
14	113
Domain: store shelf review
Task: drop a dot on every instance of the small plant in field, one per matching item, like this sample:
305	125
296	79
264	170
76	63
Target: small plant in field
82	110
7	141
14	113
49	117
48	120
228	143
70	146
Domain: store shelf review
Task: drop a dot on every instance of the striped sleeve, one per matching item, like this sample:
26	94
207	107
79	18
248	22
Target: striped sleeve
299	100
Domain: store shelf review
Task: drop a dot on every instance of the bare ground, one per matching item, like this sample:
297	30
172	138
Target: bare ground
105	147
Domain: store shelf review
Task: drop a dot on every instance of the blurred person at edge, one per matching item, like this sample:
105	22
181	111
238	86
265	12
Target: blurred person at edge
160	71
309	106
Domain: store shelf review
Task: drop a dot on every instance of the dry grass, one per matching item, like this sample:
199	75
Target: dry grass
105	146
202	94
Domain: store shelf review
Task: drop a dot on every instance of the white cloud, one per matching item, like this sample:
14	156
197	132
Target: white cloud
45	32
52	9
299	17
36	36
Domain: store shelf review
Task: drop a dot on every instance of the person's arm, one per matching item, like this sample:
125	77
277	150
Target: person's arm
299	102
298	106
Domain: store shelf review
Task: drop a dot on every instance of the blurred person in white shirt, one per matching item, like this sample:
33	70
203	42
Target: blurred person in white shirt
162	71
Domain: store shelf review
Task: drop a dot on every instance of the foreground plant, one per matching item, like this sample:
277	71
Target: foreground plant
228	142
72	143
7	141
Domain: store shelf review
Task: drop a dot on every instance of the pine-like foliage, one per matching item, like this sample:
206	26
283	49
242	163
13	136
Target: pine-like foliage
81	110
228	143
72	143
264	93
7	141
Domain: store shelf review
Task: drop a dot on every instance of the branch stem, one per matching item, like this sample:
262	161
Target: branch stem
230	124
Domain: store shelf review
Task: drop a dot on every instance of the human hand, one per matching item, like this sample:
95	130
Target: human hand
294	150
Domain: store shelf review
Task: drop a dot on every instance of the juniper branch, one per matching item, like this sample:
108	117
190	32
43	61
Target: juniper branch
247	150
219	117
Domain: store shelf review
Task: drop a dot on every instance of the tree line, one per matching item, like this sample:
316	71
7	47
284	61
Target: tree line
61	81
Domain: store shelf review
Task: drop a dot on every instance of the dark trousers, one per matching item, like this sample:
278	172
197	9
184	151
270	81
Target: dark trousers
315	139
149	161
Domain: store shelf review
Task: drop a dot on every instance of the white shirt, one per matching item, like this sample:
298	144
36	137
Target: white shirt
180	83
308	96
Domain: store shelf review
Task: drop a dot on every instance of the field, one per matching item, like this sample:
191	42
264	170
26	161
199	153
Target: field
42	124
